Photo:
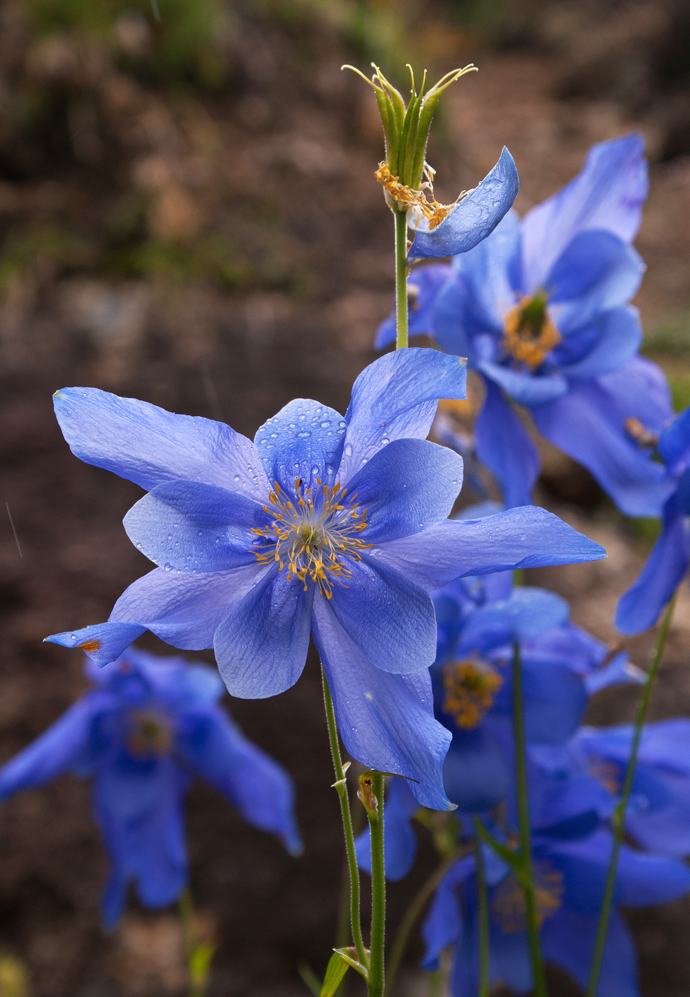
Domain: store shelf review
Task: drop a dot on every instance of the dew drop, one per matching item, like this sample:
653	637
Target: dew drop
236	477
304	434
167	567
348	449
325	423
169	536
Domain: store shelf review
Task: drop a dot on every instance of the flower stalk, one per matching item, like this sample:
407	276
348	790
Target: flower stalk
618	820
376	980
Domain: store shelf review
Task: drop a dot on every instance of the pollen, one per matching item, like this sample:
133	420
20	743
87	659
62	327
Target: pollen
528	332
315	536
406	197
639	433
508	907
91	646
470	688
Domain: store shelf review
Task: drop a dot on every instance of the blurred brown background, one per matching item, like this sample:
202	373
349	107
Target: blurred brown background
188	214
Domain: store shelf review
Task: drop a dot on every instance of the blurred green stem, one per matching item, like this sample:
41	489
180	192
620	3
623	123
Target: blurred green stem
527	878
400	278
378	892
340	785
198	954
618	820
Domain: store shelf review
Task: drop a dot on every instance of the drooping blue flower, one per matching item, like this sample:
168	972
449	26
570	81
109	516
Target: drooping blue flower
641	606
658	815
325	525
541	310
570	876
141	734
478	622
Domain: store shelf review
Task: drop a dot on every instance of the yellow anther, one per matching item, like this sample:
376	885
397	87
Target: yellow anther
470	688
528	332
406	197
508	906
606	772
315	536
150	734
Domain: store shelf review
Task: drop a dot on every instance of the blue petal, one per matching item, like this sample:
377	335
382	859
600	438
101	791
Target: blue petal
506	448
443	925
390	618
607	194
526	614
674	442
491	272
386	721
148	445
555	701
455	323
618	336
568	941
261	645
61	748
527	537
588	425
641	390
396	397
597	271
304	440
400	841
103	642
194	527
405	488
423	286
475	217
213	745
511	954
478	769
641	606
525	389
145	844
184	610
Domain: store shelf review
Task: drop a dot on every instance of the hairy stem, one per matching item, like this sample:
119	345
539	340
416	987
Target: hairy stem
378	893
401	278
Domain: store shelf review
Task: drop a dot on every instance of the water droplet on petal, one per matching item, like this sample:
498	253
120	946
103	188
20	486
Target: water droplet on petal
167	567
325	423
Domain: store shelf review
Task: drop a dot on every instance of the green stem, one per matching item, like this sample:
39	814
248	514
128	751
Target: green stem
341	786
483	910
401	278
618	820
185	905
412	913
436	983
525	829
378	892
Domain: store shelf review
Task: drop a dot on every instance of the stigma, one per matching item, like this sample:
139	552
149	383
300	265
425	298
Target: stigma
314	536
528	332
470	688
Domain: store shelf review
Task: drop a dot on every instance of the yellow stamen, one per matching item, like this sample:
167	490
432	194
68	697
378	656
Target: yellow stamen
508	906
315	536
406	197
150	734
528	332
606	772
470	688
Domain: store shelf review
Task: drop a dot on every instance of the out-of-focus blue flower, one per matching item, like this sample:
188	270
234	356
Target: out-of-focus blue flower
147	728
323	524
642	604
541	310
570	876
658	815
478	621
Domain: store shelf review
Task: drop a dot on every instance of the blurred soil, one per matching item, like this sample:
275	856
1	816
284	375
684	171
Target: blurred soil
212	240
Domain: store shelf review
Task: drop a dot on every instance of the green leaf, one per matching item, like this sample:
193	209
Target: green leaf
200	962
349	956
337	967
511	858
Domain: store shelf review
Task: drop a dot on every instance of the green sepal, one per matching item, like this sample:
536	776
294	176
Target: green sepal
335	971
511	858
349	956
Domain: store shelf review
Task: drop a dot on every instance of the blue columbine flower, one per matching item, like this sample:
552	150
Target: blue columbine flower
642	604
570	872
540	309
150	725
326	525
478	621
570	878
658	815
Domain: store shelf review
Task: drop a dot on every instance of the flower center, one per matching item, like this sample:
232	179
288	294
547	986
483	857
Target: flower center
639	433
508	906
149	734
528	332
314	536
607	772
470	688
